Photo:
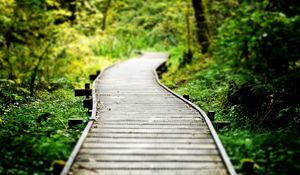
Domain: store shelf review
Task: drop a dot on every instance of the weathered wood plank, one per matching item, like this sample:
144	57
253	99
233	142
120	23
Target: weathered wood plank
142	129
149	140
153	165
150	126
153	172
148	158
150	151
149	123
147	146
156	130
148	135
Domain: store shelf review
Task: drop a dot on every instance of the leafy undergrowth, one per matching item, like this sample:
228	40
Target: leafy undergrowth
34	131
249	76
273	150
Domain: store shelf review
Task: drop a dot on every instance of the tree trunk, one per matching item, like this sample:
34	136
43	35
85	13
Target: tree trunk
202	25
35	70
105	14
188	56
72	9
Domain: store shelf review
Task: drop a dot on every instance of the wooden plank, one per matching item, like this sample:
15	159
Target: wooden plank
142	128
116	110
145	124
154	116
150	123
147	135
152	172
152	165
150	151
149	140
148	158
156	130
223	154
150	126
147	146
142	119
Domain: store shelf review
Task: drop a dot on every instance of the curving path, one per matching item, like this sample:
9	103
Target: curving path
141	128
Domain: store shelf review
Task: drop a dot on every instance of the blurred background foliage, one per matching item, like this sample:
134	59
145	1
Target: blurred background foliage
239	58
48	48
249	76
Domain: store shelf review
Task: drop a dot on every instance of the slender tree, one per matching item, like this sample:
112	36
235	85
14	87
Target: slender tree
202	25
189	54
105	12
36	68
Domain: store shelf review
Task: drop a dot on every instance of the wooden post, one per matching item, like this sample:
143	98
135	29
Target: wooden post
93	77
220	124
88	103
74	121
187	97
98	72
87	89
211	115
82	92
89	112
87	86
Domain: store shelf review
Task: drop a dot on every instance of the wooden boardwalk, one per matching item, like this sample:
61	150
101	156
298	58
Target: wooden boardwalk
141	128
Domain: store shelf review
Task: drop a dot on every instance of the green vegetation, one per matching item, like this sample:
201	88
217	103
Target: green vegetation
239	58
48	48
35	133
249	77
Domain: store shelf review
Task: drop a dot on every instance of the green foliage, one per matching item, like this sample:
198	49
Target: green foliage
263	44
250	80
30	143
48	47
252	39
269	150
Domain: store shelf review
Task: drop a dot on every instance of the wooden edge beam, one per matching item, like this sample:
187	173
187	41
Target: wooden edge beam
222	152
84	134
76	149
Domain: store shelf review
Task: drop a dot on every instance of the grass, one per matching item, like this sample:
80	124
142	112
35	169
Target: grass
35	133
